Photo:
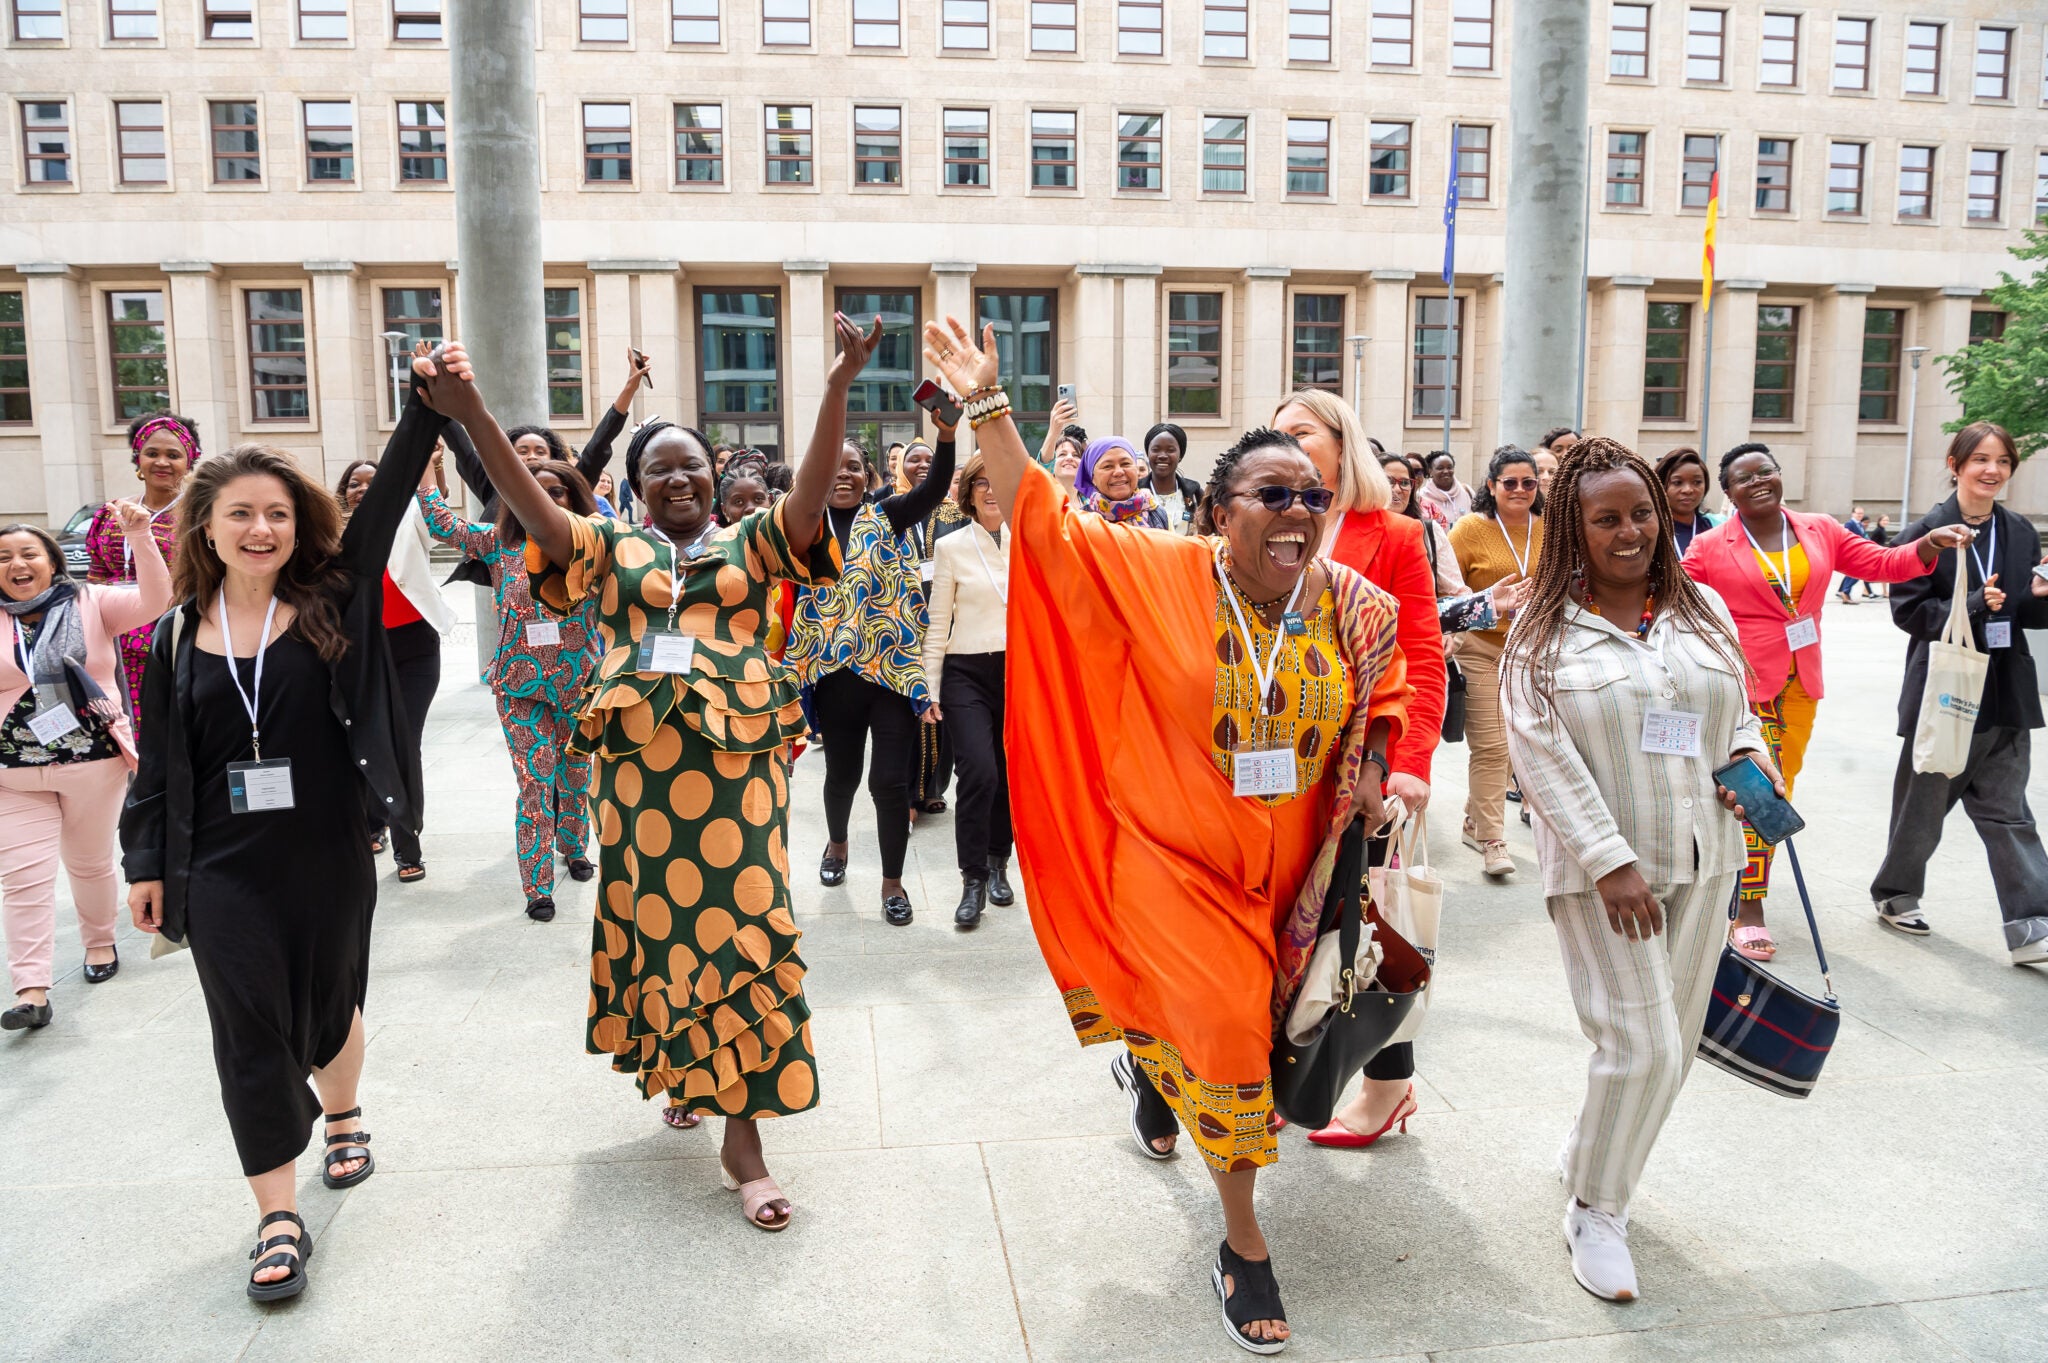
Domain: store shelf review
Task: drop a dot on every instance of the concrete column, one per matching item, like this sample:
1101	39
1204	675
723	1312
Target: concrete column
494	147
1090	337
206	391
661	337
1616	408
1539	373
809	351
1944	327
954	290
1734	361
607	333
1825	479
339	350
66	398
1265	329
1142	404
1383	315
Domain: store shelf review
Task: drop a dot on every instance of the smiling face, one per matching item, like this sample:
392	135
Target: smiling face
1755	485
604	486
675	482
254	526
1400	482
1443	471
849	480
916	463
358	483
981	496
1116	474
26	570
743	495
1619	518
1268	549
161	463
1066	461
1514	491
532	449
1323	446
1546	465
1163	454
1985	470
1685	489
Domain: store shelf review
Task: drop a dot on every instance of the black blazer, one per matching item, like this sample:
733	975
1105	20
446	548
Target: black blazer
1920	606
156	819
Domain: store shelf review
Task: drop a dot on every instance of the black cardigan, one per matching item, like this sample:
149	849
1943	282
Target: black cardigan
1920	606
156	819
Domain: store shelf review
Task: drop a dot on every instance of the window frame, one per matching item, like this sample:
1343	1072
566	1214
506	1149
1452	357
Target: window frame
2005	64
1395	12
1862	168
1484	176
2040	187
1615	28
122	131
1786	188
1072	28
1026	417
629	180
107	324
709	419
1157	138
1292	379
1302	13
1766	58
1894	366
1720	37
1243	168
788	42
1073	137
400	18
1927	190
57	11
248	356
1688	181
717	21
1993	331
1126	34
1971	196
214	155
1241	37
1328	168
1419	301
1375	144
1457	45
443	292
895	134
116	10
1683	388
1795	337
850	300
1221	355
337	9
985	26
986	160
306	130
721	157
1937	71
30	158
809	158
226	12
1867	44
581	384
402	156
8	355
1641	182
624	18
855	23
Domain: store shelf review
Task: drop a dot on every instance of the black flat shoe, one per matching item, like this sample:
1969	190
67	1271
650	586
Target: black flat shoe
541	910
100	974
344	1146
1253	1295
896	909
302	1243
999	892
580	868
831	870
973	895
25	1017
1152	1118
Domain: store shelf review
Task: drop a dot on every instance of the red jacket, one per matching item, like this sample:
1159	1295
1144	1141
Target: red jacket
1388	550
1723	559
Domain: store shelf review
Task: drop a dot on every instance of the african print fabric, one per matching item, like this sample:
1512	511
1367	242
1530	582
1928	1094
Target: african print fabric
108	562
1305	708
1787	721
871	619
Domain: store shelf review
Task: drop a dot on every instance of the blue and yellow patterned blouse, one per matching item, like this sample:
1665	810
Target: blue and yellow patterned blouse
872	620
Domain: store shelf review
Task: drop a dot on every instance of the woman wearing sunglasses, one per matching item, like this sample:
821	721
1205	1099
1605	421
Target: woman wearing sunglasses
1498	543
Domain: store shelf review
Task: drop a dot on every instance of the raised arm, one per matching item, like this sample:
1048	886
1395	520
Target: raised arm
597	452
366	543
906	509
449	387
468	467
804	508
950	349
126	608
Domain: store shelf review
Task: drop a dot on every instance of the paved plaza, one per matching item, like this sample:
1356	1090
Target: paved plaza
968	1188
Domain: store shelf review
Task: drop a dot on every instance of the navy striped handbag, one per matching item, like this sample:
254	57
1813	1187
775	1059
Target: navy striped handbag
1761	1029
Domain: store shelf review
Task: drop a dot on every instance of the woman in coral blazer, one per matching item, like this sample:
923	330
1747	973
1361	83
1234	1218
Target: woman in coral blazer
1761	561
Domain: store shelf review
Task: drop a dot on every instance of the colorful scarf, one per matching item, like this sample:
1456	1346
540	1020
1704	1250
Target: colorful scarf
165	422
57	658
1141	508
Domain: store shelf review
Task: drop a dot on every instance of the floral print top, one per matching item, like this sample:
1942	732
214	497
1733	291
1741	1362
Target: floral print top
19	746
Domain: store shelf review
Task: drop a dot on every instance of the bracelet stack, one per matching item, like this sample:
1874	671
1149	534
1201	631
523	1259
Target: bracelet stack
985	405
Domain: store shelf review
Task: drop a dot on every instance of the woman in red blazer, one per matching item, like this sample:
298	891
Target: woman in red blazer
1387	548
1762	561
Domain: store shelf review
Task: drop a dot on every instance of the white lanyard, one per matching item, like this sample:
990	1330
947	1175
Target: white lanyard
1000	589
675	583
1784	583
128	550
1330	540
1989	561
1263	676
1528	535
250	697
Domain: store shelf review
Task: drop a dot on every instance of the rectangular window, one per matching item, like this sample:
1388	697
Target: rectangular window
1316	353
1140	153
1226	28
277	355
1472	35
563	309
132	19
787	145
1706	45
417	313
1702	159
1141	27
1774	175
965	149
237	153
416	21
15	409
1027	352
1986	326
878	405
2041	186
1777	363
785	23
1994	63
323	20
607	144
1845	179
1388	178
740	386
1628	41
46	141
422	142
1194	354
1435	378
1852	53
1392	36
1223	155
700	144
229	21
963	25
38	20
139	129
1308	30
1475	163
1987	185
1667	345
139	352
330	141
877	145
1916	183
1778	55
877	23
1055	26
1308	157
693	22
1923	58
1884	332
1626	152
1055	149
603	21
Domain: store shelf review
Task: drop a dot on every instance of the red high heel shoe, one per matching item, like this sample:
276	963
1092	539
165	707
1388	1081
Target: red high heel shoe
1342	1137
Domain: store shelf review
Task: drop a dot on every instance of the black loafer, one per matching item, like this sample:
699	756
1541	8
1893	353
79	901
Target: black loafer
26	1017
541	910
831	870
999	892
896	909
973	894
580	868
100	974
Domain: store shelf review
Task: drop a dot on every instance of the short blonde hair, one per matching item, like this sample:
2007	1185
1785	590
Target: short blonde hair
1361	482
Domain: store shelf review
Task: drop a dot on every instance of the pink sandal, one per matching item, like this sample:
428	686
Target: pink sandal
1754	942
755	1195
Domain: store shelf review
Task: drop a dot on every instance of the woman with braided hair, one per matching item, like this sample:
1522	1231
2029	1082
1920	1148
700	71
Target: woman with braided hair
1622	682
164	446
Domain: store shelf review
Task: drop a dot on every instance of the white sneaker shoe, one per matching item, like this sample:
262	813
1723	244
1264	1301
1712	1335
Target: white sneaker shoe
2033	953
1600	1258
1498	862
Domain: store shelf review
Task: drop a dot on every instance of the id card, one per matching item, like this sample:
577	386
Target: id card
1675	733
52	724
1293	623
663	650
1262	771
543	634
1802	633
258	787
1998	634
927	570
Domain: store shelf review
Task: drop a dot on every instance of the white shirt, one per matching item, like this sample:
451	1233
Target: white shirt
413	572
968	598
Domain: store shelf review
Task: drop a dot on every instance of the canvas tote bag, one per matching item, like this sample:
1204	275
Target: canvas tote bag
1410	896
1954	691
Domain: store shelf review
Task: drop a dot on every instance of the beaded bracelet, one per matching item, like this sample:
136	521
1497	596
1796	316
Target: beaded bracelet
983	410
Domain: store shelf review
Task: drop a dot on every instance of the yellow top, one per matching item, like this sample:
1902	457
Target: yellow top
1310	700
1773	568
1486	556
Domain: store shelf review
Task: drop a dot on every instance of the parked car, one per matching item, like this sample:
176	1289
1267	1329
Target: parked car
71	539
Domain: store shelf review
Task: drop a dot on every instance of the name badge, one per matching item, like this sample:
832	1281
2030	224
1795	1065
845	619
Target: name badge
259	787
1262	771
1802	633
1998	634
927	570
1672	732
543	634
664	650
1293	623
52	724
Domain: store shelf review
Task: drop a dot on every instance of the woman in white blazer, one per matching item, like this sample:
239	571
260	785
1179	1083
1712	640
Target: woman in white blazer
963	663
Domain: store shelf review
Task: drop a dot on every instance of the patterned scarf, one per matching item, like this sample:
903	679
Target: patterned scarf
1137	508
57	658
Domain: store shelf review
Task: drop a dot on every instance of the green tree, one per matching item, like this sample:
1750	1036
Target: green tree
2006	380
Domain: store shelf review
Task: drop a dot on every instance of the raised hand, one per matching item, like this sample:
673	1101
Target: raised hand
448	381
1994	595
855	346
951	350
133	517
638	366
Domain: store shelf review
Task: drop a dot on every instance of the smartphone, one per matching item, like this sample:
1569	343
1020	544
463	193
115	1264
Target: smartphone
1770	815
1066	394
2041	571
938	402
640	358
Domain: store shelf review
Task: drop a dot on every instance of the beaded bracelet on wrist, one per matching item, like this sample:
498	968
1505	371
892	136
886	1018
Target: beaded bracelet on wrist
1002	408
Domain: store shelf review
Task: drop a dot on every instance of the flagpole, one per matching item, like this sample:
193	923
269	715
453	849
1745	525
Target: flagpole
1585	265
1707	389
1707	302
1452	388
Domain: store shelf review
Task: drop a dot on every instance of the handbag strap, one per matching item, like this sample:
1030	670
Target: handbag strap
1349	873
1812	924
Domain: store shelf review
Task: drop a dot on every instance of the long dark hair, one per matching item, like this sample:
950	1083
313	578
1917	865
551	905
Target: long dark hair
1503	458
582	501
341	483
311	578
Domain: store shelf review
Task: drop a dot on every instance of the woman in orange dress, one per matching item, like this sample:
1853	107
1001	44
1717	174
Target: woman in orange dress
1177	850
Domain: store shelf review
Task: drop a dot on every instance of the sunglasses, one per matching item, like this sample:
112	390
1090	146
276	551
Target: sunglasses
1517	484
1315	500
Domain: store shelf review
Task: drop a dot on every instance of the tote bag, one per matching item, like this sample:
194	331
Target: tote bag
1410	897
1954	692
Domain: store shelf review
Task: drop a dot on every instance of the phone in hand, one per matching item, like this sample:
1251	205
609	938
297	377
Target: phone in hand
2041	571
640	362
938	402
1770	815
1067	395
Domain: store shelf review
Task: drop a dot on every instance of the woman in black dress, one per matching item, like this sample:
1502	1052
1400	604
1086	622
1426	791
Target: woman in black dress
241	835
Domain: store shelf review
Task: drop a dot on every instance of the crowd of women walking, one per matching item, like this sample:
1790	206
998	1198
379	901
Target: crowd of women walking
1177	703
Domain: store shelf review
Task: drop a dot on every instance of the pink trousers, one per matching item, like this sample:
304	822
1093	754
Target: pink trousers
64	811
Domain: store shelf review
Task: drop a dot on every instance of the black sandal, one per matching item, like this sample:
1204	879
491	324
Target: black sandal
1152	1117
1255	1296
344	1147
410	871
295	1282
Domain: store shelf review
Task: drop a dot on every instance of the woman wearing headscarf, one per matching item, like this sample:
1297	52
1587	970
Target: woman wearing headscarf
164	446
1683	475
66	749
1166	445
1109	482
1173	846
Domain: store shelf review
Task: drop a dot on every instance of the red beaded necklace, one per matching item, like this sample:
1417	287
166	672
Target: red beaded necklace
1642	626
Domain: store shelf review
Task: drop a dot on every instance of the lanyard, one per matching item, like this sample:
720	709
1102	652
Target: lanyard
1001	590
1263	676
1784	583
1528	535
128	550
675	583
250	697
1336	531
1989	561
23	651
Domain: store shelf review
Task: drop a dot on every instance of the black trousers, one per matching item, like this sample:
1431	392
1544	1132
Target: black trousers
847	708
973	691
416	655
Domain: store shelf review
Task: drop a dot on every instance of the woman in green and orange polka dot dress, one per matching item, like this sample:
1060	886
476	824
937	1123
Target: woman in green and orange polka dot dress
696	988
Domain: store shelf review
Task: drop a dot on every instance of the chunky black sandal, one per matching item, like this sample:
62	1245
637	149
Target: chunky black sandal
295	1282
344	1147
377	843
1253	1296
1152	1117
411	871
831	870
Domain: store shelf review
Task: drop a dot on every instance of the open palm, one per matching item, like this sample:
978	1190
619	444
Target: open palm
951	350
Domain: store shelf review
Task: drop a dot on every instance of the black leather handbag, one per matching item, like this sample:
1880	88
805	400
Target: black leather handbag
1763	1030
1454	703
1310	1078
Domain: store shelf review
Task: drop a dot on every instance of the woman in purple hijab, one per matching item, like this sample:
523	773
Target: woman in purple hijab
1110	484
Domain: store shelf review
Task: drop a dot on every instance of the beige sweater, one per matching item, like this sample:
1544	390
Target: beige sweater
968	596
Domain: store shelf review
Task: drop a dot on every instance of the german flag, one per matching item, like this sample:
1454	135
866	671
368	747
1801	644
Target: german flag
1707	246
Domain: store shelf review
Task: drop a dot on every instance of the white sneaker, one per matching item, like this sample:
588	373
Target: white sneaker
1599	1245
1498	862
2033	953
